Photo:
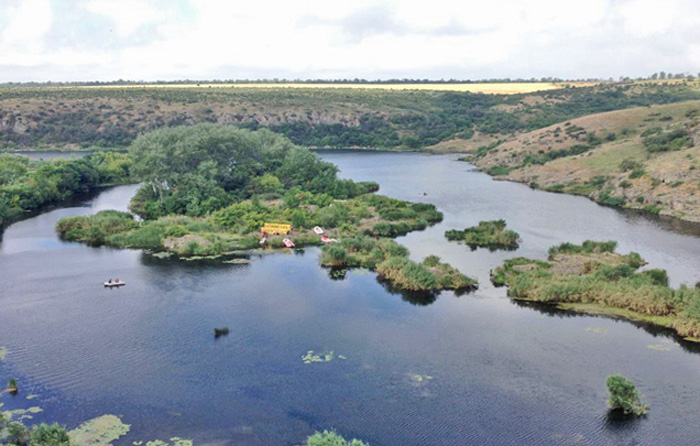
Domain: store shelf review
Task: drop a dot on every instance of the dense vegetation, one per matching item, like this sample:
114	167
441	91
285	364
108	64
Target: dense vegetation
27	186
391	262
488	234
624	396
591	277
114	117
16	433
208	190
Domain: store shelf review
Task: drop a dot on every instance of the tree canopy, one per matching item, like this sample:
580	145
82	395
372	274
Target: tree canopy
198	169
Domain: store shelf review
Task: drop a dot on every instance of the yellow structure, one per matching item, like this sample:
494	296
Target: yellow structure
276	228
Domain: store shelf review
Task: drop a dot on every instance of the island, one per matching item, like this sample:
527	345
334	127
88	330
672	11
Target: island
592	278
210	191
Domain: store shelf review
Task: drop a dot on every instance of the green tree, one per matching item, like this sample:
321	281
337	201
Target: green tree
624	396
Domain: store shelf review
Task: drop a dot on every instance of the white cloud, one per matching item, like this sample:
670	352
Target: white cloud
28	22
128	15
170	39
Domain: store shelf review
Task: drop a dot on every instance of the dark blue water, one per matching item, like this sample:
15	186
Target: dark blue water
502	374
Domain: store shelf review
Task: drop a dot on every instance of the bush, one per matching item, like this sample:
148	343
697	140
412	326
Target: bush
49	435
624	396
17	433
329	438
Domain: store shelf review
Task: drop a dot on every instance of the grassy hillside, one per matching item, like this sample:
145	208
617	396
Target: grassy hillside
644	158
73	117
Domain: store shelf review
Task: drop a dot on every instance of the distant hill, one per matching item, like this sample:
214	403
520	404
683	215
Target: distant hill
335	117
643	158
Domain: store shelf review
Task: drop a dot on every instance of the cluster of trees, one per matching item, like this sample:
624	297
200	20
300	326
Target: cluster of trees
27	186
197	170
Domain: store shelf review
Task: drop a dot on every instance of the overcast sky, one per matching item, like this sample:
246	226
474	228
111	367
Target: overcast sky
83	40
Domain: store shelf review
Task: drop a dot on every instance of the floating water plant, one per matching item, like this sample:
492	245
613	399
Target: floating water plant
324	356
12	386
597	330
100	431
23	414
3	353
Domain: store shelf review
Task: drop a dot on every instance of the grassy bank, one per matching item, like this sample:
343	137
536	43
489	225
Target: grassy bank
592	278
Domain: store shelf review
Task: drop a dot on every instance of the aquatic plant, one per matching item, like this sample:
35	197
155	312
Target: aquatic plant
324	356
12	386
624	396
330	438
100	431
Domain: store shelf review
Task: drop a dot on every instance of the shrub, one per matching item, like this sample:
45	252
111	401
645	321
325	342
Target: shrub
329	438
624	396
49	435
17	433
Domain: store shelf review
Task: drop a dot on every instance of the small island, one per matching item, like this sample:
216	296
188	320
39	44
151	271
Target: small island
592	278
487	234
210	191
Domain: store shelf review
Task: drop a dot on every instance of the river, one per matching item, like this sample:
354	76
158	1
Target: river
475	369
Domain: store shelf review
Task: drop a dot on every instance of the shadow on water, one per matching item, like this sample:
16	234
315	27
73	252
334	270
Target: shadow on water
652	329
207	264
419	298
616	421
662	221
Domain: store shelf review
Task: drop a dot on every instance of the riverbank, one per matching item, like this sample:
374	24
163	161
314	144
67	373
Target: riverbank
643	158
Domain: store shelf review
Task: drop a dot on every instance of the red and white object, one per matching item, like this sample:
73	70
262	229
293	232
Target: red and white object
318	230
288	243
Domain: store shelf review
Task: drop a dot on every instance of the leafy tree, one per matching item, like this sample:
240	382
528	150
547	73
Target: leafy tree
49	435
624	396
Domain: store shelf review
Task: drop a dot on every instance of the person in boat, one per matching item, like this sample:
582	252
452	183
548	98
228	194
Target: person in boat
110	280
116	280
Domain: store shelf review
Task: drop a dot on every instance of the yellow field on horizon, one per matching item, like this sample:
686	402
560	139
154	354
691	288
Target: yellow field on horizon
487	88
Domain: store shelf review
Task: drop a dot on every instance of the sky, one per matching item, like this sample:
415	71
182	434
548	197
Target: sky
104	40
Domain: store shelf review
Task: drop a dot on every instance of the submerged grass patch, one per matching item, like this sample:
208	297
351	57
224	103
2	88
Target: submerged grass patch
3	353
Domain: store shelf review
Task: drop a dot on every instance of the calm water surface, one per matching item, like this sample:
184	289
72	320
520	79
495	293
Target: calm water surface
502	374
